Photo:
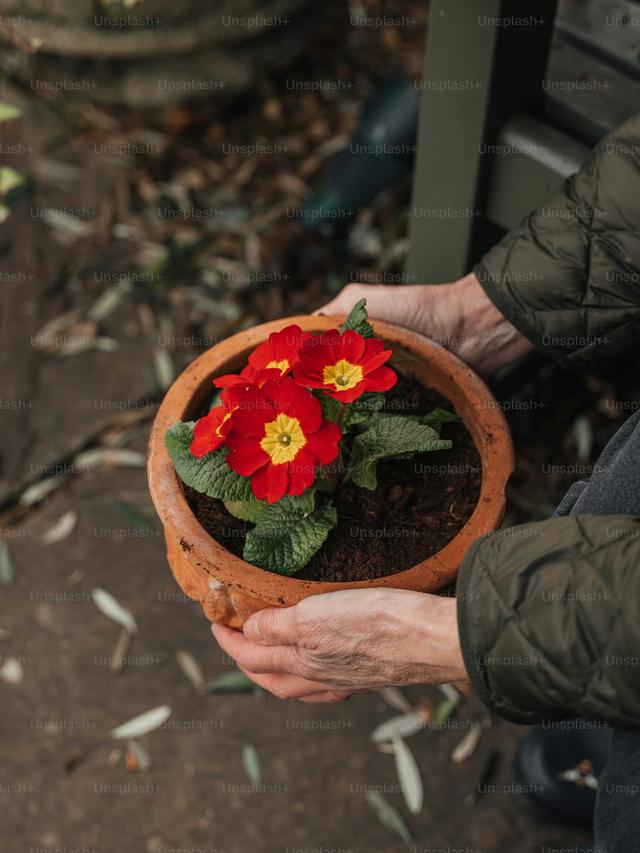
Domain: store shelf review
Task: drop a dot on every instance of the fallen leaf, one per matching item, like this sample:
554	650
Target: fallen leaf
396	699
7	566
11	671
8	112
62	528
110	607
137	756
403	725
390	817
112	456
142	724
229	682
119	656
251	763
467	746
34	494
444	711
191	668
408	775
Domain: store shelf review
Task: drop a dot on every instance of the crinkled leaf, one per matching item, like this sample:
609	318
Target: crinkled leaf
210	474
244	510
254	510
363	410
357	320
391	435
436	418
286	537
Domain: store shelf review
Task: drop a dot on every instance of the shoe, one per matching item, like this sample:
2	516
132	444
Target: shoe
558	769
379	154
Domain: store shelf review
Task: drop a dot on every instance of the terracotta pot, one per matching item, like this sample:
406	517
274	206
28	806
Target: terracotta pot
230	589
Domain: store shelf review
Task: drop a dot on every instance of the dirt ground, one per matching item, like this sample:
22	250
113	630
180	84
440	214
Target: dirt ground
64	787
78	373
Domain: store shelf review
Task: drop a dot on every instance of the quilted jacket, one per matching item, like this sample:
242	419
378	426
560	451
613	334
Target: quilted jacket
549	613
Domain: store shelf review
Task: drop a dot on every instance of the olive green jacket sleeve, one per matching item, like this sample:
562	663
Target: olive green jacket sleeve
568	278
549	619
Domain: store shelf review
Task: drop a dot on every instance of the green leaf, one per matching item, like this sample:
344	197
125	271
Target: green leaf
363	410
244	510
331	407
357	320
229	682
391	435
436	418
288	534
444	711
8	112
254	510
210	474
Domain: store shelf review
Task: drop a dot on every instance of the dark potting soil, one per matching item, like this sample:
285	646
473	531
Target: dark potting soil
418	506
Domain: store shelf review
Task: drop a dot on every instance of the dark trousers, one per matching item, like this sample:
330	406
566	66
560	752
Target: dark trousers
614	488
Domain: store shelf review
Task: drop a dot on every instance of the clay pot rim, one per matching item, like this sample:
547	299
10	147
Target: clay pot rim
228	569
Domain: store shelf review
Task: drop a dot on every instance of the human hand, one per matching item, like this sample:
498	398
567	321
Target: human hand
329	646
460	316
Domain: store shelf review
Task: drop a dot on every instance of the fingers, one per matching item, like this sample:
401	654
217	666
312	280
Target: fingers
345	300
295	687
255	657
402	305
328	696
274	626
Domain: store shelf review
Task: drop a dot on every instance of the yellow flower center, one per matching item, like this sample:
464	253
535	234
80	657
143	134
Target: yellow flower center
282	366
343	374
283	438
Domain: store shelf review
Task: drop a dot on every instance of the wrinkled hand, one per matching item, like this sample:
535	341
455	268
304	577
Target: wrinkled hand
329	646
460	316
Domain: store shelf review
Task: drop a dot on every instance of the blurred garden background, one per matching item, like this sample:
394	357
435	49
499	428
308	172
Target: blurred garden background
142	222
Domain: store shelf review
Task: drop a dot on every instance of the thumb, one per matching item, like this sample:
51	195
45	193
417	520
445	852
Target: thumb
274	626
346	299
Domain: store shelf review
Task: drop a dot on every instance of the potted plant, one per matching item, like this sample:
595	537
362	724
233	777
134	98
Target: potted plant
312	454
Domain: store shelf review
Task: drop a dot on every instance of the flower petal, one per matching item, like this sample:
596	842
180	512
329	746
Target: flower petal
351	346
228	380
349	394
270	483
302	472
205	444
246	455
307	380
380	380
374	355
323	444
291	398
252	411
